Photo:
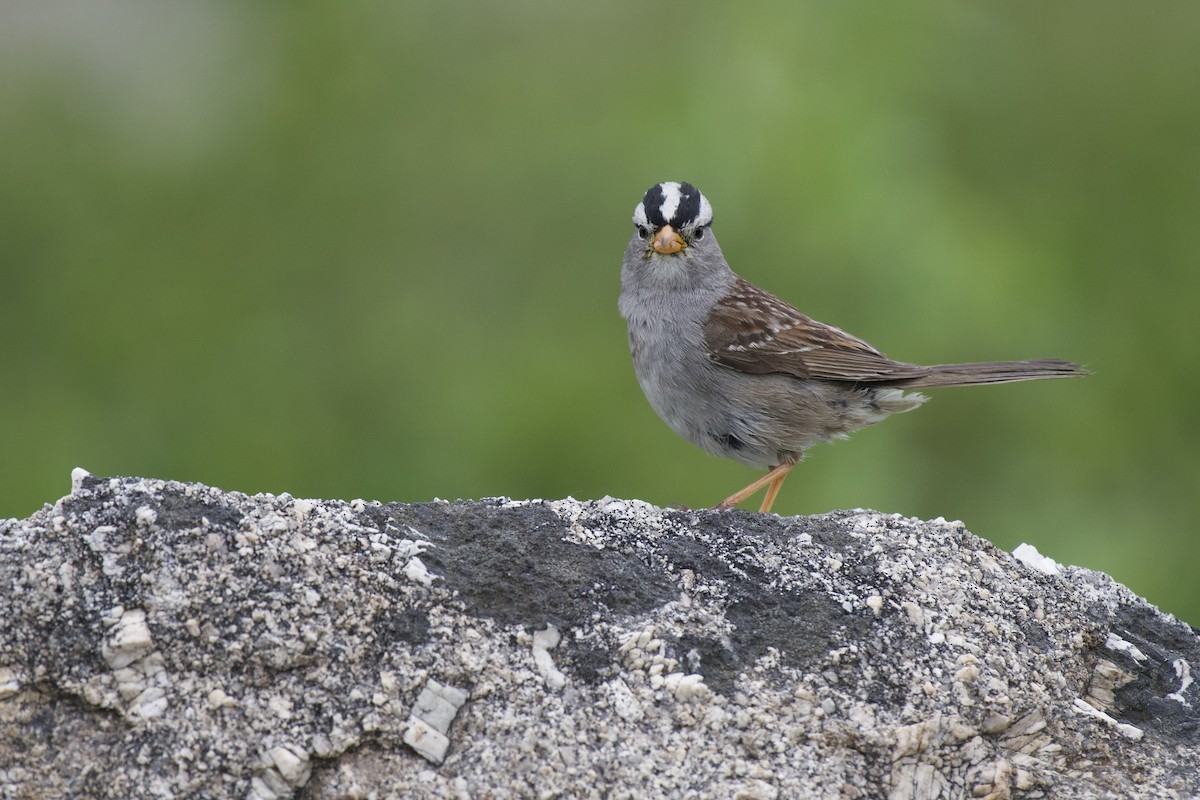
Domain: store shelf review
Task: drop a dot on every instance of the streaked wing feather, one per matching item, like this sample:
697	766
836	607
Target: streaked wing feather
755	332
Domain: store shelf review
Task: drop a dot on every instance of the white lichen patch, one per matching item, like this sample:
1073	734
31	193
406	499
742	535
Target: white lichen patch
1118	645
1106	678
915	614
282	769
150	703
129	639
405	552
138	670
415	571
686	687
544	641
1028	555
1125	729
146	516
429	722
430	744
625	703
10	684
291	761
1183	671
78	476
217	699
438	704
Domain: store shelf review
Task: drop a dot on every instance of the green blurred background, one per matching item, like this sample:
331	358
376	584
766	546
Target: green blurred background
351	249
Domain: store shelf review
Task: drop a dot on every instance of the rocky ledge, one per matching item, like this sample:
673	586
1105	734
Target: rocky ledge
163	639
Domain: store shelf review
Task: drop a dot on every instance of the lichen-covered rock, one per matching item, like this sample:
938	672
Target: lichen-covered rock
161	639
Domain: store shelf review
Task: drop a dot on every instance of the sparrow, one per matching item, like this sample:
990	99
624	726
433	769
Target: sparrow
744	375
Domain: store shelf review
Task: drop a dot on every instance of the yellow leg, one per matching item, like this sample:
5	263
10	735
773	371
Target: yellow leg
774	477
773	491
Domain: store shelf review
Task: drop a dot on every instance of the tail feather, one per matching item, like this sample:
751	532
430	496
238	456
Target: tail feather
991	372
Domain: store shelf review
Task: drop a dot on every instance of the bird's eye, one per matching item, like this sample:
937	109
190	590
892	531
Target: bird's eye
699	233
641	231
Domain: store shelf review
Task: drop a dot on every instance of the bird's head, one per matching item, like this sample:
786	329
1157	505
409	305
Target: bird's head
672	217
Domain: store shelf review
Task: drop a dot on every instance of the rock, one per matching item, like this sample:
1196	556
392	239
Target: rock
174	640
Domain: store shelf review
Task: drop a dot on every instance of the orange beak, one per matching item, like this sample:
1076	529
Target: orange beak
667	241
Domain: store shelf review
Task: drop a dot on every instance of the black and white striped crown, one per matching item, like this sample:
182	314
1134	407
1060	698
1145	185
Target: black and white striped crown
679	205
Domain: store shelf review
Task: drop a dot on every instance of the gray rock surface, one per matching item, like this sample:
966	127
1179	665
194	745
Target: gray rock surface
163	639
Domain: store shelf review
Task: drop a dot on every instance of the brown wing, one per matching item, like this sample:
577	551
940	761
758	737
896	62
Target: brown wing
753	331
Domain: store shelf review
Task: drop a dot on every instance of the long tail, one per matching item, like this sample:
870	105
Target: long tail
991	372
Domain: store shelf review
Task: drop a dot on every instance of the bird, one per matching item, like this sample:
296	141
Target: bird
744	375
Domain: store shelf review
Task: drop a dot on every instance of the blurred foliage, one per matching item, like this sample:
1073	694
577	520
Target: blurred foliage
352	249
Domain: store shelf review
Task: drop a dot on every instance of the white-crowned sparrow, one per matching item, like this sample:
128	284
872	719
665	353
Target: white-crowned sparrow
742	374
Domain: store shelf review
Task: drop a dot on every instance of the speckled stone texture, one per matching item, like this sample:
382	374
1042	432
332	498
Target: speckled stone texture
163	639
